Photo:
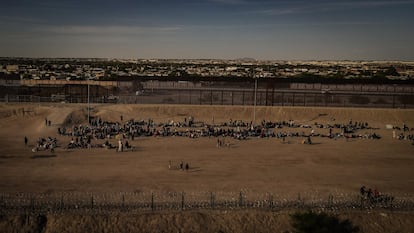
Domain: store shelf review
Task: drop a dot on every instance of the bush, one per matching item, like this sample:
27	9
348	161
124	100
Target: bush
310	222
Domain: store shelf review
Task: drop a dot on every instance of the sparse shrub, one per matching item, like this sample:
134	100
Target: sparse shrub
41	223
309	222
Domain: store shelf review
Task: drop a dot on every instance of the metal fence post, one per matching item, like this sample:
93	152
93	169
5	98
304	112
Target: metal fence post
212	200
240	199
293	99
393	101
152	201
91	201
330	200
270	201
2	203
61	202
32	202
182	201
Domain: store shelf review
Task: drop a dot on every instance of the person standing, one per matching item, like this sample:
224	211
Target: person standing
25	140
362	190
120	149
369	193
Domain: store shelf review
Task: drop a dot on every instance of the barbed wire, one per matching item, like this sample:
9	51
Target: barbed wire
95	203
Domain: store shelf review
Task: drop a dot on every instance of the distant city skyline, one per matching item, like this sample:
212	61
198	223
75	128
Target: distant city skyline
209	29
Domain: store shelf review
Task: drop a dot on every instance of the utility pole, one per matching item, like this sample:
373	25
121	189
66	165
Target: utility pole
255	98
89	107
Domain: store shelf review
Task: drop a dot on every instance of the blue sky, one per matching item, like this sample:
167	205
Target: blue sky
226	29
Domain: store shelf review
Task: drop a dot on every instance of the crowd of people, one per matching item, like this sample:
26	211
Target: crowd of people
181	166
241	130
43	144
374	196
80	142
403	133
83	136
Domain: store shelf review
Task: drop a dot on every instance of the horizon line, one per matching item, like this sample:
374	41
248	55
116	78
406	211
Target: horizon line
222	59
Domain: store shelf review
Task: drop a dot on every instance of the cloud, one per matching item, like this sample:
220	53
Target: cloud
291	9
230	2
281	11
105	30
5	19
357	4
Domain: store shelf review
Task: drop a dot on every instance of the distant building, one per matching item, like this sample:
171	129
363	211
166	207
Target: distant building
12	68
98	73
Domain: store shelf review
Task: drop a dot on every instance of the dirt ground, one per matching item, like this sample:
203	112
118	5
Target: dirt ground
256	165
197	222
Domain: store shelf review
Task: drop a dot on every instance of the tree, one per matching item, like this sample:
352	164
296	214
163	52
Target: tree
391	71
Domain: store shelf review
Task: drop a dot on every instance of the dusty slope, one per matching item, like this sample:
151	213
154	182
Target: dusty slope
26	115
224	113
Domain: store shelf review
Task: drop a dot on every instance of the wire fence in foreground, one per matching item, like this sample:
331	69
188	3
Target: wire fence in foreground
93	203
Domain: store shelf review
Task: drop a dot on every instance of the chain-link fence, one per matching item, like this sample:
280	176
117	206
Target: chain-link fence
159	201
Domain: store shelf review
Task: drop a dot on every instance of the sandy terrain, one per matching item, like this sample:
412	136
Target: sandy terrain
254	166
257	165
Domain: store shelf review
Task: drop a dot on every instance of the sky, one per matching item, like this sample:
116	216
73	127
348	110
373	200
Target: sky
209	29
